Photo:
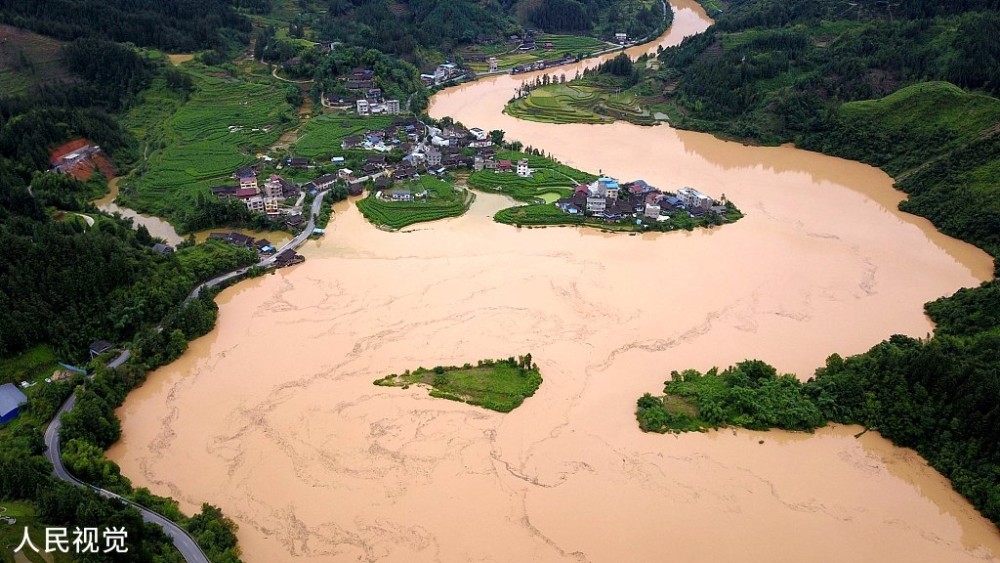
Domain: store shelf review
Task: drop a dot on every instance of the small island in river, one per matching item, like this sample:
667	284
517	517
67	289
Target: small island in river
500	385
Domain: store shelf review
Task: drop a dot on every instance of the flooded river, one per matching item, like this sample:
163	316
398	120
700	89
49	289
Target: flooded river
273	415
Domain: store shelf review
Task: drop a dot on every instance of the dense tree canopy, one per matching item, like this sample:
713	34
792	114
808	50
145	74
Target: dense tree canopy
173	25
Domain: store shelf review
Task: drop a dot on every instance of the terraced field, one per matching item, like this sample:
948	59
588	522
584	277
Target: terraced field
27	59
579	103
322	135
202	141
442	201
549	179
562	45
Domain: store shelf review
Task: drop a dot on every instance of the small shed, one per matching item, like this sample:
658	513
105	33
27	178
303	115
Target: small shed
11	401
99	347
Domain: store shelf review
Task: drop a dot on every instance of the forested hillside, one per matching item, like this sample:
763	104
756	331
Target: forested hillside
173	25
910	87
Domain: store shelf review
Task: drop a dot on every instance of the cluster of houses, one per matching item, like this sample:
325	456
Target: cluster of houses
263	247
265	197
444	72
607	199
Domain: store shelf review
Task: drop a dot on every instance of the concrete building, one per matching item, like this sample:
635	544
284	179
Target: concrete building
433	157
493	64
273	187
363	107
392	107
693	199
522	168
651	211
255	203
596	204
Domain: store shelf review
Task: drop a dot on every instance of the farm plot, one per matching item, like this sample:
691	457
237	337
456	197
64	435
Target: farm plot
433	199
547	179
219	129
322	135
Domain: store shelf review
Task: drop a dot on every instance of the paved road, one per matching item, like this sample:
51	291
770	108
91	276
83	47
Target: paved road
183	541
269	261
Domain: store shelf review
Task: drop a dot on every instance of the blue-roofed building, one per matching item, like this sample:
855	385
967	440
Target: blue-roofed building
11	401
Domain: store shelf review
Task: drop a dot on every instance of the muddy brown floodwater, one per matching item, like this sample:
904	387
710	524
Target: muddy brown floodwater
273	415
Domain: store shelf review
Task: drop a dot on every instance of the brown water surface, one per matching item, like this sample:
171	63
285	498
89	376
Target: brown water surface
273	417
156	226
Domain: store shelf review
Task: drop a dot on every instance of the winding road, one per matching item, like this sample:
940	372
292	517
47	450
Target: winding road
183	541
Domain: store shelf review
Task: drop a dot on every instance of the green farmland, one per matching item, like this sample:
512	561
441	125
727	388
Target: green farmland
322	135
549	179
562	45
580	103
193	144
441	200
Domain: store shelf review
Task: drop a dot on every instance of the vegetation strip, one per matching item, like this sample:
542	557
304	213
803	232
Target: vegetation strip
499	385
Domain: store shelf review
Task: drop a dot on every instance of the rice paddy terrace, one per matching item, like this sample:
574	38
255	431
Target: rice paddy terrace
581	102
195	143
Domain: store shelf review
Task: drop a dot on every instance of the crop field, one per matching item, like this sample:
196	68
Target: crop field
201	141
563	103
549	179
579	103
562	45
536	214
28	59
322	135
442	201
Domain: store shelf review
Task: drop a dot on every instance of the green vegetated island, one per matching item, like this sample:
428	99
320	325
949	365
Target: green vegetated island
499	385
913	94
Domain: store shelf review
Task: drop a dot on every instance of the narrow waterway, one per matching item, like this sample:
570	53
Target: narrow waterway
273	415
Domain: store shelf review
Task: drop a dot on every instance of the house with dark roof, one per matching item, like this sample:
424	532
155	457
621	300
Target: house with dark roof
288	258
11	401
382	182
223	192
325	181
99	347
164	249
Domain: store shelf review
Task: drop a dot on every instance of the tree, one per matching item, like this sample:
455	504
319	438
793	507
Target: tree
496	136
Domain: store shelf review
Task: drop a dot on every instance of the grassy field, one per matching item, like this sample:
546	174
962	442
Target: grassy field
33	365
28	59
322	135
500	385
11	535
549	179
562	45
442	200
580	103
200	142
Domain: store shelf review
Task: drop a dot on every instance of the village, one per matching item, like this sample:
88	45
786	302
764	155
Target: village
606	199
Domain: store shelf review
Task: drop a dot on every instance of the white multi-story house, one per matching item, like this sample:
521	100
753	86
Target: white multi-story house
392	107
522	168
363	107
652	211
596	204
693	199
255	203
